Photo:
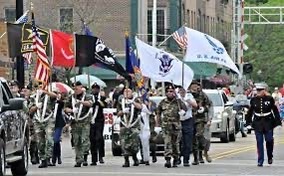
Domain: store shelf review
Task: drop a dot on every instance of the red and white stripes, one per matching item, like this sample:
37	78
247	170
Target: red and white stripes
242	18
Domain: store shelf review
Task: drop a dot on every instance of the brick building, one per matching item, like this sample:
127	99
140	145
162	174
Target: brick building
109	19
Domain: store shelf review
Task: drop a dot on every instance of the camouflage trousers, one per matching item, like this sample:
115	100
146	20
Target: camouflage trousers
129	138
198	137
33	137
44	135
81	140
172	137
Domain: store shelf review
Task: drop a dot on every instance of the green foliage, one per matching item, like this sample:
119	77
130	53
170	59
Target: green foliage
266	51
256	2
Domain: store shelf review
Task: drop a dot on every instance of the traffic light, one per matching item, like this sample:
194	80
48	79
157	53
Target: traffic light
247	68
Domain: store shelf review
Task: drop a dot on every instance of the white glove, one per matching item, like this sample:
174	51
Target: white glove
40	91
75	110
126	110
39	106
181	113
200	110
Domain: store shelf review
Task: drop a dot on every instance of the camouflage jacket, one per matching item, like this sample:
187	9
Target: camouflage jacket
170	109
50	104
202	100
73	99
126	117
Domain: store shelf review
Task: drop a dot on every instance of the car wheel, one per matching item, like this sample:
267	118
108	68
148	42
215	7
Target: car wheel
20	168
2	158
226	136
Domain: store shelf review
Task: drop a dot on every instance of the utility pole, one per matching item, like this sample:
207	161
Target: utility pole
154	33
240	34
20	60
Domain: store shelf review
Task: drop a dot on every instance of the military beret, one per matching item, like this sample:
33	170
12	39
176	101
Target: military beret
169	87
78	83
261	86
95	86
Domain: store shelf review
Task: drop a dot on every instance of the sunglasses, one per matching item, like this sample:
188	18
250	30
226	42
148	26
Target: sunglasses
170	91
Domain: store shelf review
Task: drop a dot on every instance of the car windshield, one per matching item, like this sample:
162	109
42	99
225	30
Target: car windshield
215	98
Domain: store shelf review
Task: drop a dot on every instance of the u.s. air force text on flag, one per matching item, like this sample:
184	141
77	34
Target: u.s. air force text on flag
204	48
162	66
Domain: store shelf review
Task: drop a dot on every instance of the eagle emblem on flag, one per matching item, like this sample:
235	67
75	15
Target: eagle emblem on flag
166	63
216	48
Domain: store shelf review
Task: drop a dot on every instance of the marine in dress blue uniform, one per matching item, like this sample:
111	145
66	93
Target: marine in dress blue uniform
264	116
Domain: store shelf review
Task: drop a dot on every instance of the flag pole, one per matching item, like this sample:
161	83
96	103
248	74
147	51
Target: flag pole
74	67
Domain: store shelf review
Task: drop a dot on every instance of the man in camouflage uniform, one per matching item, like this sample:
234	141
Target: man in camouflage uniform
128	110
42	105
171	109
200	115
79	106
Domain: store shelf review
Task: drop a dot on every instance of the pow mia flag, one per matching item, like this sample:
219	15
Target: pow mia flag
20	39
99	55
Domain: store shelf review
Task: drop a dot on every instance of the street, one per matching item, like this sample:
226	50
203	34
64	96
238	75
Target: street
235	158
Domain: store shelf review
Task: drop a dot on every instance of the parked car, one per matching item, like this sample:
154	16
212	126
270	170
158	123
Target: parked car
14	133
223	121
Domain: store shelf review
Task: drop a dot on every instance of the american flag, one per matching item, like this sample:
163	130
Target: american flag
24	19
42	71
181	37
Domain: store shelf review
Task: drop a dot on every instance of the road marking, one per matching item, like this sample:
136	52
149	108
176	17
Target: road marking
131	173
238	151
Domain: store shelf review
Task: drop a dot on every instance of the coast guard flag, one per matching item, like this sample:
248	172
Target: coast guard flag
204	48
162	66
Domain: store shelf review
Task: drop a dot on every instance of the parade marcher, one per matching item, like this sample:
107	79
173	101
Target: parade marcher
128	109
60	122
97	125
187	124
200	119
80	107
171	108
42	107
264	116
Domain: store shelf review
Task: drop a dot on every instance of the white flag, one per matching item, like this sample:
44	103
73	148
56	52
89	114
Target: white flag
162	66
204	48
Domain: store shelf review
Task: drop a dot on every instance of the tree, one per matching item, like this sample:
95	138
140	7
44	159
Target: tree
257	2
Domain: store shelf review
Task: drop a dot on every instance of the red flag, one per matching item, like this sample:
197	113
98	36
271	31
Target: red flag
62	49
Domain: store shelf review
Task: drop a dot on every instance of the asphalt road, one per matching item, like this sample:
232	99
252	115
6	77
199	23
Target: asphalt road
235	158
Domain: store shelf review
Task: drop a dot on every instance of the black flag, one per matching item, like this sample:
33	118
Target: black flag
20	39
92	50
85	53
106	58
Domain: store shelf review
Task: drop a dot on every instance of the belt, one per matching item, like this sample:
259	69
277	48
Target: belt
262	114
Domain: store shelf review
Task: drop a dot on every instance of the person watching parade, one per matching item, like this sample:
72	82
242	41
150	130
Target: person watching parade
264	116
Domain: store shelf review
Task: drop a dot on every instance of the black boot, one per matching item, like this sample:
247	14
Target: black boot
43	164
195	160
154	157
77	164
135	159
49	163
201	160
126	162
168	162
175	162
33	153
101	160
85	163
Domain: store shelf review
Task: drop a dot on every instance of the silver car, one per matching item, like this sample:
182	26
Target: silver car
223	120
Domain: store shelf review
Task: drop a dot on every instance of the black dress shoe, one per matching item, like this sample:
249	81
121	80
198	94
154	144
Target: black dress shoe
142	162
43	164
147	163
270	161
260	165
101	161
186	164
93	164
85	163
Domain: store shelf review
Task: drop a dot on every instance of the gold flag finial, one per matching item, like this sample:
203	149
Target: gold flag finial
126	34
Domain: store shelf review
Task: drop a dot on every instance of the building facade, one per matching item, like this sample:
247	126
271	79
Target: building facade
110	19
